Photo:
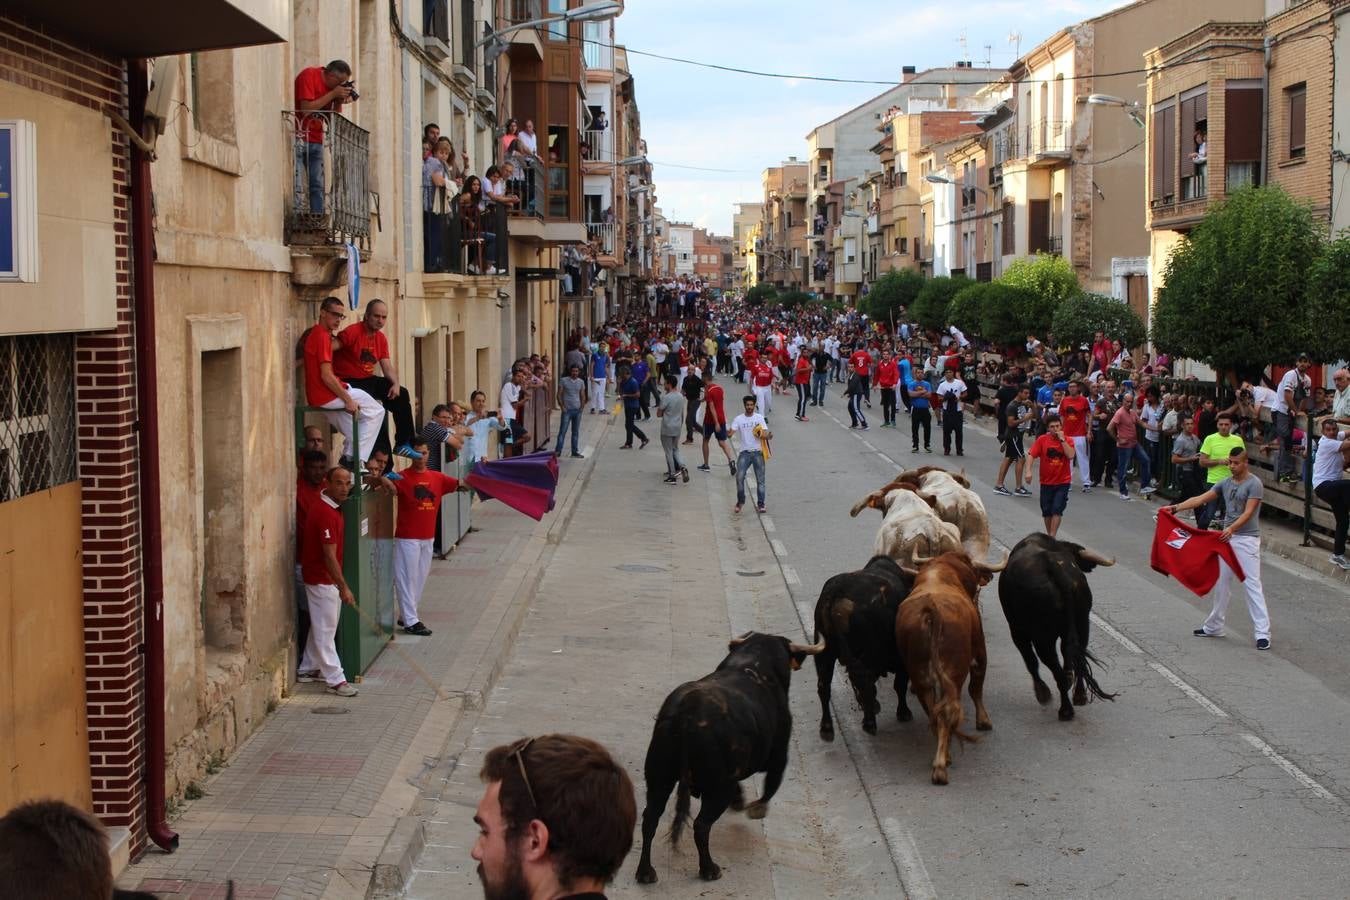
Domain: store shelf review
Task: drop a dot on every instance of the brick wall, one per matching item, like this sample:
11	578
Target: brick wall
105	408
1302	55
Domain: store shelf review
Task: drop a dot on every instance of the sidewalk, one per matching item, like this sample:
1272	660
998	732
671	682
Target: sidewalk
319	802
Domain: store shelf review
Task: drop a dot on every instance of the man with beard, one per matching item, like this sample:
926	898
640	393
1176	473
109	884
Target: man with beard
555	822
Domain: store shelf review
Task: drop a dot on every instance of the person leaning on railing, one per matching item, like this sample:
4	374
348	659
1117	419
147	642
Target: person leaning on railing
472	204
317	89
438	185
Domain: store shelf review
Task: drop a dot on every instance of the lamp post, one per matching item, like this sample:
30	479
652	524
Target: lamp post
596	11
1132	107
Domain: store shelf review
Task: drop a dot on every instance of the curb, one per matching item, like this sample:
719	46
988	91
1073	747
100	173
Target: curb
1314	558
499	627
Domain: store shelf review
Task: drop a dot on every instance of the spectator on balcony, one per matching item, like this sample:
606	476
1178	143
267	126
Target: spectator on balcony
437	189
472	203
1201	153
317	90
498	185
342	404
358	349
600	123
430	134
509	135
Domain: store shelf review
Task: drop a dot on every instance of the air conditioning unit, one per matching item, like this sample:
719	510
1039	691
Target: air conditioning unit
159	101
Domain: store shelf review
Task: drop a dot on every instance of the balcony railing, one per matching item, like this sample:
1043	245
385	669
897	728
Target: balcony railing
463	243
526	183
1055	245
596	145
330	201
436	20
601	235
1194	187
1044	136
524	11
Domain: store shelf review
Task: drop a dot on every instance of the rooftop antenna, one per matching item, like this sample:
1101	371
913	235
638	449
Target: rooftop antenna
988	55
1015	38
965	49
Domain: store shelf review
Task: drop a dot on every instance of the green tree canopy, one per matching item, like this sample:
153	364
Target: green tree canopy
1328	303
1080	316
792	299
760	294
890	293
1045	281
1004	313
966	308
1235	289
930	307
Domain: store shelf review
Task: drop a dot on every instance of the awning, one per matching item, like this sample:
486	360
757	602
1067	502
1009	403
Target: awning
136	28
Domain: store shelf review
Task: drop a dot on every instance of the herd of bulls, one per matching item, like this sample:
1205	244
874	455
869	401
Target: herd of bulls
912	610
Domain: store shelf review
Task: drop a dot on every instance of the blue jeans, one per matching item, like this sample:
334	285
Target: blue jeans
308	171
569	417
744	461
818	380
1123	457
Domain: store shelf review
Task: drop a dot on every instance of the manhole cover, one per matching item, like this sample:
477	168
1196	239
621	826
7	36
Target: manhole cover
637	567
330	710
750	574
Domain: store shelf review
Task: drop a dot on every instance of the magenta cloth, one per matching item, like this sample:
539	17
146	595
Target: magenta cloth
524	483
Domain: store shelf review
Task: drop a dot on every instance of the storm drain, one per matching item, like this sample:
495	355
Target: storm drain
330	710
639	568
750	574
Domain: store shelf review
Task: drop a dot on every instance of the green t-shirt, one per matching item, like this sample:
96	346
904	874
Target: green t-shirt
1216	446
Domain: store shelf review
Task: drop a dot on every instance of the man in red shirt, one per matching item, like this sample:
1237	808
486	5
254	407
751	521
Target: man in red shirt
325	588
341	403
801	379
358	349
1056	456
320	90
888	376
761	384
714	421
309	484
861	362
419	491
1075	411
1102	352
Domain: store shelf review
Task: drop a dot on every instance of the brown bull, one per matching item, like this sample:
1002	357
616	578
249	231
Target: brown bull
940	636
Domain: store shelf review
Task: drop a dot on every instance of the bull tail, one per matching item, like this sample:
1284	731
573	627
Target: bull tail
1083	661
681	796
946	695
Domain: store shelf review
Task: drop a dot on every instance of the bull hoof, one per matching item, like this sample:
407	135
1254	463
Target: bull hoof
710	872
904	715
986	725
1065	713
646	876
1042	694
870	726
939	775
827	733
1080	697
757	810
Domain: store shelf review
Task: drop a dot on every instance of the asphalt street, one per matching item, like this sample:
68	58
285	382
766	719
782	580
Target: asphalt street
1218	771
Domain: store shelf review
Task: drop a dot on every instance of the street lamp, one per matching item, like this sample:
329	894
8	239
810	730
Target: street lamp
1133	106
943	179
588	12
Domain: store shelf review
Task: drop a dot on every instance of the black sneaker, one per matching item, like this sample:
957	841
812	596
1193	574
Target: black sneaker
684	473
705	468
1200	632
669	479
732	467
577	456
1002	491
1263	643
418	629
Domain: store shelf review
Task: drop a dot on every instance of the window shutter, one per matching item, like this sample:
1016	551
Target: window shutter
1009	239
1298	106
1187	137
1160	162
1242	125
1038	226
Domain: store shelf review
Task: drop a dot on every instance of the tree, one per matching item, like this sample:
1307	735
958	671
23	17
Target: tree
1328	303
966	308
930	307
1047	280
892	292
1235	289
1078	317
1004	313
760	294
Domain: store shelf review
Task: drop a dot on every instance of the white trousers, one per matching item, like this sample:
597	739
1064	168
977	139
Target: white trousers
1082	456
320	648
598	394
1247	549
412	563
764	398
371	413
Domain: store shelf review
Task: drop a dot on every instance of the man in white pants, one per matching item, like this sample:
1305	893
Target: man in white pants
1075	411
599	375
325	588
341	402
1241	529
419	490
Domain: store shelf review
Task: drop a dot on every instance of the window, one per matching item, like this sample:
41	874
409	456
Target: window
1296	104
1164	136
37	413
557	31
1194	136
213	92
850	250
1009	238
1242	133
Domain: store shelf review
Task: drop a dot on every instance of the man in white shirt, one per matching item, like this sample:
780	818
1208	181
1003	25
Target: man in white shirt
1340	401
1293	386
737	348
748	429
959	338
510	409
951	393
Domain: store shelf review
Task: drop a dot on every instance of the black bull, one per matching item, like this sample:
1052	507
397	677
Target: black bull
713	733
855	616
1046	599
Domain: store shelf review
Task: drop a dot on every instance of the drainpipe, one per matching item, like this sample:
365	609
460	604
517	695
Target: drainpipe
1267	46
147	427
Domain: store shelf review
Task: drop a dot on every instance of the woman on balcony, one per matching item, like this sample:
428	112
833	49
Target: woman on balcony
482	243
437	188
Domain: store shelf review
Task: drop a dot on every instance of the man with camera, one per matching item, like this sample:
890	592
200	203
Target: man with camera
318	90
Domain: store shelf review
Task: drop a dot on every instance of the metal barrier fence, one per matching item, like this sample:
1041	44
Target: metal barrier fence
455	508
539	416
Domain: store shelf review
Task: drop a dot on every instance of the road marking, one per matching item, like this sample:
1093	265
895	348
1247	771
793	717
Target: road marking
779	549
868	445
790	575
905	853
1290	769
1188	690
768	524
888	459
588	450
1111	630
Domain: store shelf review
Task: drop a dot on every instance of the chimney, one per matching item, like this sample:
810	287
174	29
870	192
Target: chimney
906	73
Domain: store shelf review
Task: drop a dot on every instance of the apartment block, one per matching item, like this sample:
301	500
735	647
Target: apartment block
781	254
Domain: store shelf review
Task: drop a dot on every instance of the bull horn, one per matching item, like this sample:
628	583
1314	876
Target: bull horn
911	572
736	642
999	567
808	649
1093	556
919	560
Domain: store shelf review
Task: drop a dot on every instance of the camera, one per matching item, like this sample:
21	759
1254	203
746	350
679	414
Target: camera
351	86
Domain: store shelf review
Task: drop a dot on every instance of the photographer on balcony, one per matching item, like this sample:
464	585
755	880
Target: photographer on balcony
317	90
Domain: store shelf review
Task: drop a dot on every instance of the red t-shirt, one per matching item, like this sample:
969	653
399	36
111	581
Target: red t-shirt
318	350
888	374
861	362
1102	353
1074	411
361	350
802	374
1054	463
763	374
712	405
781	357
309	85
751	357
419	496
323	525
306	495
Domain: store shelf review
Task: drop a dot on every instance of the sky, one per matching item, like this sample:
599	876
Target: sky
697	119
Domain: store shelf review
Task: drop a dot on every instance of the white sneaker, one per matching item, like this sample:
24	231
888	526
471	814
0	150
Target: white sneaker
473	270
1126	497
343	690
1341	561
1147	490
307	677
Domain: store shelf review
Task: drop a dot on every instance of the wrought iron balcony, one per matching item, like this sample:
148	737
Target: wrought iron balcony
330	200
